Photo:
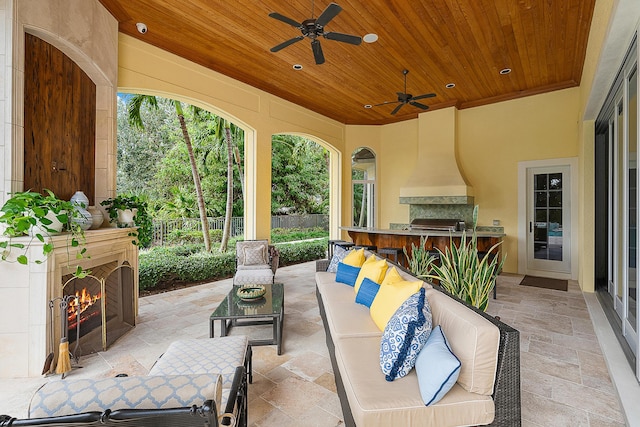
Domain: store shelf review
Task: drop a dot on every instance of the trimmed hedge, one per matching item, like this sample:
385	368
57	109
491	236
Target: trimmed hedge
162	267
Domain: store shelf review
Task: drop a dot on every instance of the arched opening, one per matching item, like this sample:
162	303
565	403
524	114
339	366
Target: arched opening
363	180
329	176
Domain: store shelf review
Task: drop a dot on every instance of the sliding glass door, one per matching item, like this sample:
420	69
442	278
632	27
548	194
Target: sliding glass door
617	127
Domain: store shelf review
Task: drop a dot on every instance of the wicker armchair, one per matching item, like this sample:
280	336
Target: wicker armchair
256	262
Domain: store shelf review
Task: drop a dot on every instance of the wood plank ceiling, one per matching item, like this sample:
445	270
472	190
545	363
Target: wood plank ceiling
465	42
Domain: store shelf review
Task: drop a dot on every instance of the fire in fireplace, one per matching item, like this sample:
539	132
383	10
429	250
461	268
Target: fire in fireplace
86	308
101	307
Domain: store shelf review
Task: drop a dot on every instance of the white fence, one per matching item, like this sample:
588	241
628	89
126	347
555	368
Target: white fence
161	228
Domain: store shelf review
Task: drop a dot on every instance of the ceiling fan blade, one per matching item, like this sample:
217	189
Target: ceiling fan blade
317	51
284	19
395	110
426	95
285	44
385	103
417	104
328	14
346	38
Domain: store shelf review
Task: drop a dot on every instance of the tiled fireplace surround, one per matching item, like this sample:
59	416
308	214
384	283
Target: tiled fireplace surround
26	290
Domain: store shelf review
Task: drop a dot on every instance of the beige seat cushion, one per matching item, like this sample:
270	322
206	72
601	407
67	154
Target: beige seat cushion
344	316
376	402
473	339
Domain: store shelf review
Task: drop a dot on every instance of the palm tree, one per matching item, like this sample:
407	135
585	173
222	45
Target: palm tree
227	132
135	103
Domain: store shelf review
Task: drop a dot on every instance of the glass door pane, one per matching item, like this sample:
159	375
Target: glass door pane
548	242
632	202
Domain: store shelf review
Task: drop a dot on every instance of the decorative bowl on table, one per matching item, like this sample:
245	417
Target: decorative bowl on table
251	292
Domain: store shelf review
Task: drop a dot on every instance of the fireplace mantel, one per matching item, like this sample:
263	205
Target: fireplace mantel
27	289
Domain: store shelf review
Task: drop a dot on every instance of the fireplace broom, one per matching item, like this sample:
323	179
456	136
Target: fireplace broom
64	359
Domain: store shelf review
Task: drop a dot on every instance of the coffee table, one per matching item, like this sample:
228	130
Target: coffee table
268	310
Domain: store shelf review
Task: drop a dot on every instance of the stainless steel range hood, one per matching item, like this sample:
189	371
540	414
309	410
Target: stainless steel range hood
437	178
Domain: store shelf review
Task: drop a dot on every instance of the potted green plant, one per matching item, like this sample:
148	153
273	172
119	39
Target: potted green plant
420	260
120	207
463	273
39	216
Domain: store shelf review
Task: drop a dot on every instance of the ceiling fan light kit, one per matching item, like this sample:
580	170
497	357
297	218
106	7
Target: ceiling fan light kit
313	29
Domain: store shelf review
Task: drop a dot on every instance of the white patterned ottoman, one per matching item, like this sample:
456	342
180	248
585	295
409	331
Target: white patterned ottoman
222	355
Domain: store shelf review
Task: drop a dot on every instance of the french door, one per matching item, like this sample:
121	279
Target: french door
549	220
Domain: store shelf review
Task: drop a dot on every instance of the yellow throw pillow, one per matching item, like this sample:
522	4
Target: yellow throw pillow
355	258
393	276
389	298
371	269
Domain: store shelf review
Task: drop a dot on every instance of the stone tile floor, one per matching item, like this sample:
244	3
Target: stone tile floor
565	380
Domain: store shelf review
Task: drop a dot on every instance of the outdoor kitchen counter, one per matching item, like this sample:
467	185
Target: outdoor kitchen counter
398	238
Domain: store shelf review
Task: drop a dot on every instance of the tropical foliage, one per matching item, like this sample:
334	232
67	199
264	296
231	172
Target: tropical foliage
464	273
419	260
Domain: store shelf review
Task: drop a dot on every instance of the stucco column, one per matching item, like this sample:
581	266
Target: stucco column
257	213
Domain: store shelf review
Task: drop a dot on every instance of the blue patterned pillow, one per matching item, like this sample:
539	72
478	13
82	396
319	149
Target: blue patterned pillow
367	292
404	336
347	274
338	255
437	367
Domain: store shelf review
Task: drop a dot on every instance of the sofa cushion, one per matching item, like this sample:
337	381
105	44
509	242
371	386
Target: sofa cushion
375	402
347	274
473	339
344	317
389	298
373	269
437	367
404	336
355	257
75	395
367	292
338	255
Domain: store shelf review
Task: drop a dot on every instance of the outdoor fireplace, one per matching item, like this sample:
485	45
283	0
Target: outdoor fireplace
113	262
100	307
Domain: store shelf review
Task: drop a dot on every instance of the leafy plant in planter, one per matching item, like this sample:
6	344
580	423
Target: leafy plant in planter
141	218
420	261
463	273
39	216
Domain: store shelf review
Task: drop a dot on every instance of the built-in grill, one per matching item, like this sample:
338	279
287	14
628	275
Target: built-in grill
436	224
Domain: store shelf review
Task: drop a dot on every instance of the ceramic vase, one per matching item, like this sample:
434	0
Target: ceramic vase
55	226
82	217
125	217
97	218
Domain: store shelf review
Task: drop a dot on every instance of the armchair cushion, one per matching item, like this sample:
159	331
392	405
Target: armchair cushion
254	256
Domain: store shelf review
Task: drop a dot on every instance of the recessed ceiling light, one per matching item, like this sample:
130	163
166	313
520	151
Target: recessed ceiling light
297	67
370	38
450	85
505	71
368	106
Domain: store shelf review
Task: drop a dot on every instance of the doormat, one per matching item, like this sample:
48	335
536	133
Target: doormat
545	282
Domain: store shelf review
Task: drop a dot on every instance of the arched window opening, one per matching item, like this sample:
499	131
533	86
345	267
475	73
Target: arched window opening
363	179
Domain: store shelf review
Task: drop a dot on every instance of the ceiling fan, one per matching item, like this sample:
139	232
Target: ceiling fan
406	98
313	28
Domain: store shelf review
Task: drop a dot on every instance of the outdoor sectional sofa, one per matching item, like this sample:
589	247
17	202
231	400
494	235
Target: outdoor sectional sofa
487	391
